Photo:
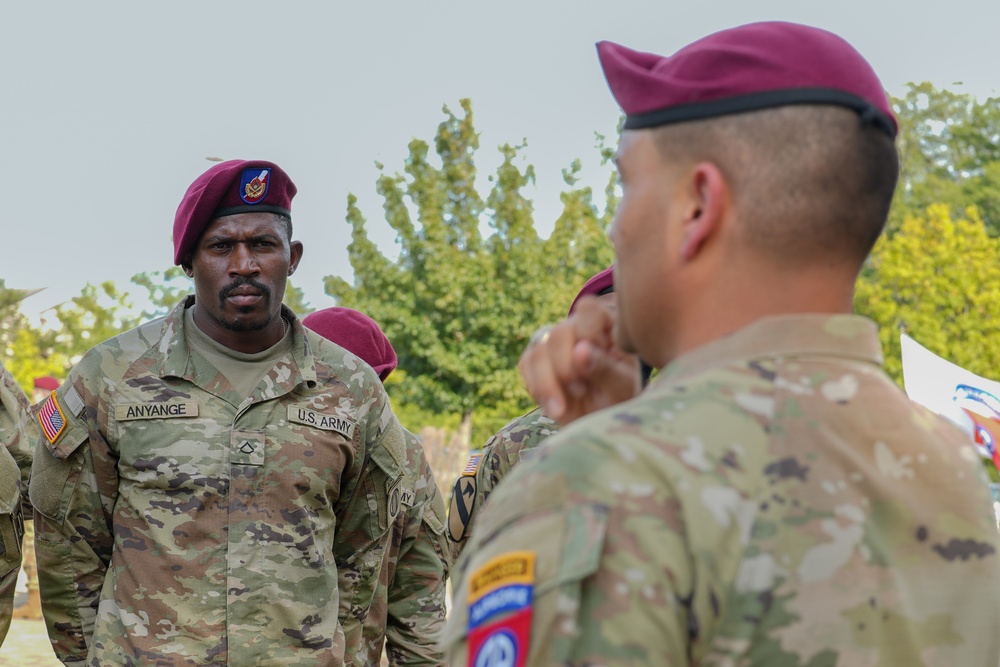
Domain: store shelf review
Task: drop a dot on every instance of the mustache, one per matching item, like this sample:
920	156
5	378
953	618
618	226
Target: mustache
242	282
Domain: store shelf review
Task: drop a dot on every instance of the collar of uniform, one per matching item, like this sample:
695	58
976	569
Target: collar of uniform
845	336
174	349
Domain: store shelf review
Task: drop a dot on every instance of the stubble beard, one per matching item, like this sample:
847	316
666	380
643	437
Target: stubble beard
239	325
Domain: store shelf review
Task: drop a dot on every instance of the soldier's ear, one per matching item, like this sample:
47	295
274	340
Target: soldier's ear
186	267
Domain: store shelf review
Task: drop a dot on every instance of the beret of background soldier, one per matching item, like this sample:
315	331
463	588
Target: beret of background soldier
355	332
409	608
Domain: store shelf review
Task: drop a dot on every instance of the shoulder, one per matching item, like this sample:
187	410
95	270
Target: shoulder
523	434
689	448
335	365
111	359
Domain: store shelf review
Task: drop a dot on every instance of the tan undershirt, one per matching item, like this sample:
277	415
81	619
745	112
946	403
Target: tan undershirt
244	371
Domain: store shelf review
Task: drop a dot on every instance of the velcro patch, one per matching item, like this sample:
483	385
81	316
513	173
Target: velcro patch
325	422
407	497
73	401
169	410
51	419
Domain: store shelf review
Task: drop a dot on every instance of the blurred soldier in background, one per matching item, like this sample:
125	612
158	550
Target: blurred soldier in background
517	441
408	611
17	432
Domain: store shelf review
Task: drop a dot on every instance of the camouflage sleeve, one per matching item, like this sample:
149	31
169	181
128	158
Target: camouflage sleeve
417	591
15	463
580	560
469	494
515	442
17	428
74	485
8	582
370	503
13	480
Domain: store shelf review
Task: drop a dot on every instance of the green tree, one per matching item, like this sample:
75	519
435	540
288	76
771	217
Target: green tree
97	314
295	299
11	318
949	146
938	280
66	332
164	290
459	307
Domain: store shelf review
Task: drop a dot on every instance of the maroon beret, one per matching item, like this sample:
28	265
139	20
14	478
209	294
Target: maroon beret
599	284
357	333
47	382
228	188
750	67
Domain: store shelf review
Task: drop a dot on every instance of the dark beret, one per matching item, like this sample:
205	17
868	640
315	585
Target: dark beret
228	188
600	283
747	68
357	333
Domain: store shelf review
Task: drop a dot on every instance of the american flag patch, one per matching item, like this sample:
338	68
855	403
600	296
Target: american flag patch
472	465
51	418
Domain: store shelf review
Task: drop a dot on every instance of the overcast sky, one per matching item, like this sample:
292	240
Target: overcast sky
109	108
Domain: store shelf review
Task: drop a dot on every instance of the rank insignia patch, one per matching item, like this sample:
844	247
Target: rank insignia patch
253	184
51	419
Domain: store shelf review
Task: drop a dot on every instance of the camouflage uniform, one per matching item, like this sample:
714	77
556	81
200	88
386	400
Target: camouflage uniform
179	523
408	611
771	499
515	442
16	430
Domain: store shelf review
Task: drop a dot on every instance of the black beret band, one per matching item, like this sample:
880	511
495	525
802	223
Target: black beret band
257	208
757	101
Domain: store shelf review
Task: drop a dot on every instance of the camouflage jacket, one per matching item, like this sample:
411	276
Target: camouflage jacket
515	442
773	498
16	430
409	609
179	523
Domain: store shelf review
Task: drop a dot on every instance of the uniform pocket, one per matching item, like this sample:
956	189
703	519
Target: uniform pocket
11	519
433	518
385	482
51	486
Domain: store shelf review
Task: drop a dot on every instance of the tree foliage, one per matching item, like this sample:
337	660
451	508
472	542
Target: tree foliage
937	279
66	331
459	303
949	146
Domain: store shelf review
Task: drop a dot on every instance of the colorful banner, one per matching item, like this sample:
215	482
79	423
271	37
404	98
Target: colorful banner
971	401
